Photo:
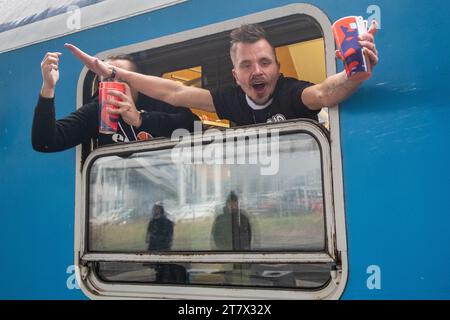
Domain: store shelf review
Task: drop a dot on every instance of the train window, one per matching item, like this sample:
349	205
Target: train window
176	212
222	211
258	205
160	201
278	275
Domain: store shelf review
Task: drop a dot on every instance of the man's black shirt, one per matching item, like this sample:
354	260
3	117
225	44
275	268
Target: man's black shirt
159	119
231	104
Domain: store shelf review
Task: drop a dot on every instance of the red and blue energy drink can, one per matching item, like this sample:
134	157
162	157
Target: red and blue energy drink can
108	122
346	32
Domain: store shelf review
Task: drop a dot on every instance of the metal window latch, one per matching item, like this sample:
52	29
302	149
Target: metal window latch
84	269
84	272
335	273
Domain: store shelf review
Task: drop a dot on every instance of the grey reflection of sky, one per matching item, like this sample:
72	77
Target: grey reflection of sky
15	13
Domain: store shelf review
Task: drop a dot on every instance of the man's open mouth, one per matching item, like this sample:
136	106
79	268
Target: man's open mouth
259	86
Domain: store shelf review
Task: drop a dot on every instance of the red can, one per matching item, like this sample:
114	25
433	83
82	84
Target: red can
108	122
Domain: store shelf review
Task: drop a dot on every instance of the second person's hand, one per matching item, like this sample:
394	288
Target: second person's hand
126	107
50	73
92	63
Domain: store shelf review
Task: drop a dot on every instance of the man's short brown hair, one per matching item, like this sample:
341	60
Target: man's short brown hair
247	33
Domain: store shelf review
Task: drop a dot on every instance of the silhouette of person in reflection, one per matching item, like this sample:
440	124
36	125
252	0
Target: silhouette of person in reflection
159	238
159	230
231	230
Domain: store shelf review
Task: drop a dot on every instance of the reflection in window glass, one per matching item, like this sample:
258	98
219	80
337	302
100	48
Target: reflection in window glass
306	276
148	201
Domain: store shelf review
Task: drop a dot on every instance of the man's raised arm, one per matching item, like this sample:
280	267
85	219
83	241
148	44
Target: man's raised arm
338	87
158	88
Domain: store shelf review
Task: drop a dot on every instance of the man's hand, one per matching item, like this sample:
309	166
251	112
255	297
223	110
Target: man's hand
50	73
367	41
126	108
94	64
158	88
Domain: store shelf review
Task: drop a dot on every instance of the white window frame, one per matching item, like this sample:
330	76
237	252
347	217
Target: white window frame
93	287
290	127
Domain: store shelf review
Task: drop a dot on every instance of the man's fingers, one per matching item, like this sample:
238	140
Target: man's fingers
373	57
371	50
113	110
53	66
51	60
91	62
118	103
120	111
366	37
101	68
123	104
367	41
49	65
77	52
118	94
368	45
86	59
373	27
127	89
52	54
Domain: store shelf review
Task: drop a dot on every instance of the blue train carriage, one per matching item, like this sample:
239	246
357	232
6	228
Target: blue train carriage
356	207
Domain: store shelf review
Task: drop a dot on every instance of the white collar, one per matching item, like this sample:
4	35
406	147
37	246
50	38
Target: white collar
255	106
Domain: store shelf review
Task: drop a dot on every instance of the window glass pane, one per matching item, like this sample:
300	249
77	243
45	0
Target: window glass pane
168	201
306	276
